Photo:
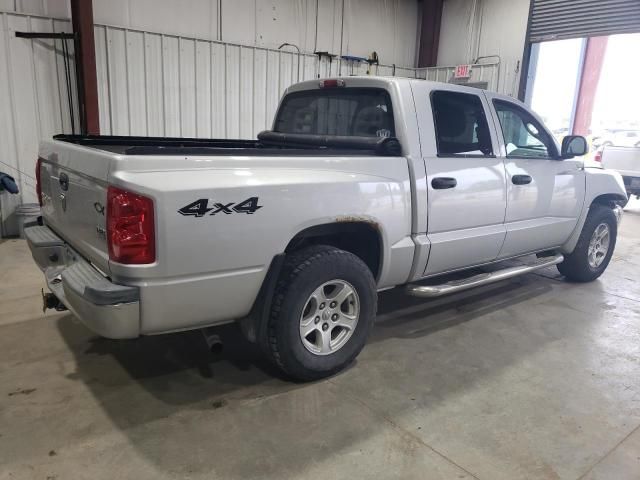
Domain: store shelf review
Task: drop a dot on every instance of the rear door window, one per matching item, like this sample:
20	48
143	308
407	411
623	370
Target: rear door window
362	112
461	125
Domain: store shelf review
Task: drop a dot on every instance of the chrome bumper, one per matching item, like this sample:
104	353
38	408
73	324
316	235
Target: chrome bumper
109	309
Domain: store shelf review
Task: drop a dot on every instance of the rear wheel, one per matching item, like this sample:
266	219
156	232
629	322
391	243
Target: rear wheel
323	310
595	246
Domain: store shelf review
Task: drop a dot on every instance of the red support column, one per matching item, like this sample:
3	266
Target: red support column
430	32
591	70
85	53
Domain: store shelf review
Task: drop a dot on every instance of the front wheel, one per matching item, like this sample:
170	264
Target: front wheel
595	246
323	310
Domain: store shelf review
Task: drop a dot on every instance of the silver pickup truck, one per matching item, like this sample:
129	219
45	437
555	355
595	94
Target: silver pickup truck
363	184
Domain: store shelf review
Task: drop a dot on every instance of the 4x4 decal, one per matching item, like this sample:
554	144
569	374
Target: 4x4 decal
201	207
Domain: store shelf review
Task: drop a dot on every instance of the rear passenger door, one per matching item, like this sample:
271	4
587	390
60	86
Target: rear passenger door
466	181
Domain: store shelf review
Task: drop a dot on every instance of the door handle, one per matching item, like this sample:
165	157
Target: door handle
64	181
442	183
521	179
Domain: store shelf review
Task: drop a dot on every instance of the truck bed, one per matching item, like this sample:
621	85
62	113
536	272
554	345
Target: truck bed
268	143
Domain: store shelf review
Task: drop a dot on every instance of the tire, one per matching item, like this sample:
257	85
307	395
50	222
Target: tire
303	274
577	266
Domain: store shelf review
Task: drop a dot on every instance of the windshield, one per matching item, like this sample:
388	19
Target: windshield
362	112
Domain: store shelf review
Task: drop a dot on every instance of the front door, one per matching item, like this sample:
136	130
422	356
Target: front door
544	194
466	181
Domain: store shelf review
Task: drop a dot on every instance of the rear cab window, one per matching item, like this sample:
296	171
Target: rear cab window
364	112
461	125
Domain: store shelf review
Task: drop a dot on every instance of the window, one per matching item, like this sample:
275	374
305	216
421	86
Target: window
461	124
337	111
523	135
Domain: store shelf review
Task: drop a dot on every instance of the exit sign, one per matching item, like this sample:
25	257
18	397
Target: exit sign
462	71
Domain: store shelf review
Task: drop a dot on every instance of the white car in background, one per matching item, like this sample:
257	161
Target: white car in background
625	161
620	138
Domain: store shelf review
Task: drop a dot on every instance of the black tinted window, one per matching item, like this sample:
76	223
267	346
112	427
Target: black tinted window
523	135
461	124
337	111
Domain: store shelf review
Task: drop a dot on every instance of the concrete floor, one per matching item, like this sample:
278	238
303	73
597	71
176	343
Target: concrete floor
533	378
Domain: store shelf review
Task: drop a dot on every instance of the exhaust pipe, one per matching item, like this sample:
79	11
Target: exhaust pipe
213	341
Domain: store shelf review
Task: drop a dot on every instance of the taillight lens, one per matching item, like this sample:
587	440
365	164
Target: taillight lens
130	227
598	156
331	83
39	181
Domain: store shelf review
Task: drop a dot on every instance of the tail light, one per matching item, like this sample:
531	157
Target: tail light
598	156
130	227
331	83
39	181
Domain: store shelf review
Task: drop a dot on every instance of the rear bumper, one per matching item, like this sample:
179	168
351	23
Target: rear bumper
109	309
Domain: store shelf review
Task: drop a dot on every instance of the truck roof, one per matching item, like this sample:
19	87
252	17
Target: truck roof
380	81
371	80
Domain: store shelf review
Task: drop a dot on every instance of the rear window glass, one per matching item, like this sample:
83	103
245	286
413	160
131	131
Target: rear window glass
461	125
362	112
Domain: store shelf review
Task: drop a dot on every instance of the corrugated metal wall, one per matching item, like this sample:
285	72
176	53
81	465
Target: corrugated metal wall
33	101
484	73
489	29
389	27
165	85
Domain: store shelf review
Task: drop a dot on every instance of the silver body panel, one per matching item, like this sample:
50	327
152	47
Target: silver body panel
625	161
73	213
209	270
545	212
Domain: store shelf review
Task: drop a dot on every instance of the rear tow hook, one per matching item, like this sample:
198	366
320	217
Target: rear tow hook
50	301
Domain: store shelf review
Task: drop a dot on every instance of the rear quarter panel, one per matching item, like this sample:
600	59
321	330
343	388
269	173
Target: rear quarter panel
210	268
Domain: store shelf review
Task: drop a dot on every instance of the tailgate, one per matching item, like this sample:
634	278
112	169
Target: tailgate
74	195
626	161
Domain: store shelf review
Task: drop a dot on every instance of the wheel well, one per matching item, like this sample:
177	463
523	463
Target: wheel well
610	200
360	238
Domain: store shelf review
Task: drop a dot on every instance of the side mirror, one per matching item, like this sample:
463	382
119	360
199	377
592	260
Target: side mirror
573	146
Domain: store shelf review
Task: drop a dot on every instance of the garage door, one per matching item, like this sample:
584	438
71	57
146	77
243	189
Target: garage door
560	19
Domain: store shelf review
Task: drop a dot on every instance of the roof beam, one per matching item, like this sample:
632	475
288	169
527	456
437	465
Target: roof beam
82	20
431	20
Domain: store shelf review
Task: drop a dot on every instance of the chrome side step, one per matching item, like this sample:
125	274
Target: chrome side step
430	291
